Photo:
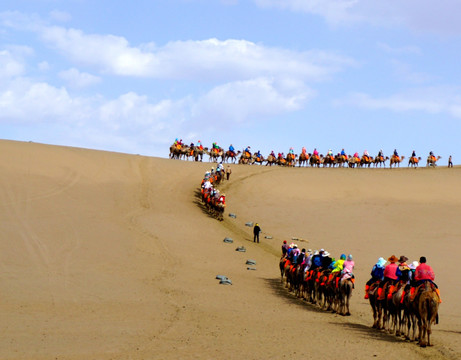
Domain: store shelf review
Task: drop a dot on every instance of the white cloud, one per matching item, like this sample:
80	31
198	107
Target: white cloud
257	98
432	100
60	16
399	50
405	72
78	79
439	17
205	60
10	65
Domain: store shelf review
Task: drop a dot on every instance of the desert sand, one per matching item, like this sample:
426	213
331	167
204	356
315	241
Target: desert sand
110	256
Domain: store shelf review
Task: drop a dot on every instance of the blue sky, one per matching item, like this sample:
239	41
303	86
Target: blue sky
330	74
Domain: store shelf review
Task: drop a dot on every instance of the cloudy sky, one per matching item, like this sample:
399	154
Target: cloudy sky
133	76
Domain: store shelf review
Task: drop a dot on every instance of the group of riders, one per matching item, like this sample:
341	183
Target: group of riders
388	279
318	277
314	158
212	198
404	287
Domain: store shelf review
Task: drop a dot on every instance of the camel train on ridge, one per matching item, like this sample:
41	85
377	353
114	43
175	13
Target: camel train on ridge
292	160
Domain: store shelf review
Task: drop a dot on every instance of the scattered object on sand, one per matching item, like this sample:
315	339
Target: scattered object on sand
250	224
221	277
228	240
232	215
251	268
251	262
241	249
225	282
267	237
299	239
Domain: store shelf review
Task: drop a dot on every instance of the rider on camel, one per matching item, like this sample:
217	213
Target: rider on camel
303	150
291	151
365	153
396	154
232	149
247	150
200	146
315	152
285	248
348	267
391	275
425	273
377	274
380	154
272	153
356	155
413	154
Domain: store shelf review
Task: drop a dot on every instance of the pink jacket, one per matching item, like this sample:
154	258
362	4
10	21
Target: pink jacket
391	271
424	272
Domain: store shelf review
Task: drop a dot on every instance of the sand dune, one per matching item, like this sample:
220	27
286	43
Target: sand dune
110	256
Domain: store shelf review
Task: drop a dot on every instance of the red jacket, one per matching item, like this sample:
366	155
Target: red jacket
424	272
391	271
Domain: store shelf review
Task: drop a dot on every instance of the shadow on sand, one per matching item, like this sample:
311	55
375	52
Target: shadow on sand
364	331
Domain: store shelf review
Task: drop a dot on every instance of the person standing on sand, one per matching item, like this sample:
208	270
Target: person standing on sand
256	231
450	163
228	172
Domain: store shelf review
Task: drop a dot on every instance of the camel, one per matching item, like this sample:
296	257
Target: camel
395	160
316	160
375	306
427	313
409	314
245	158
366	160
345	290
432	160
381	160
341	160
303	158
414	161
291	159
231	155
271	160
353	161
215	154
199	153
257	159
395	310
329	160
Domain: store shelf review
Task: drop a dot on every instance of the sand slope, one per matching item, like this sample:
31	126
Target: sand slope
110	256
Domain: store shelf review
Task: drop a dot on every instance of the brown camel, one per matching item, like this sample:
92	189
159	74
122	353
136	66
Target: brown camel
427	313
395	160
432	160
329	160
341	160
232	155
199	153
414	161
215	154
271	160
291	159
316	160
366	160
257	159
376	306
345	290
353	161
381	160
303	158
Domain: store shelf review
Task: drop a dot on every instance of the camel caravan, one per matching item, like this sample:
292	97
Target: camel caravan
403	297
212	199
317	278
218	154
